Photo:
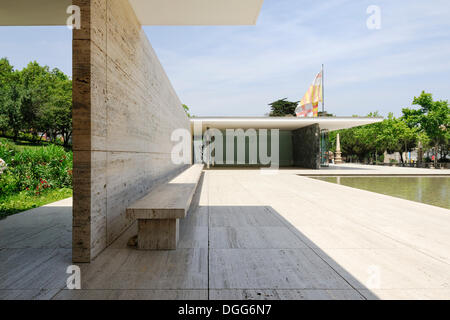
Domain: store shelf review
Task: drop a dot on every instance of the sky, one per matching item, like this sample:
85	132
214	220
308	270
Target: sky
239	70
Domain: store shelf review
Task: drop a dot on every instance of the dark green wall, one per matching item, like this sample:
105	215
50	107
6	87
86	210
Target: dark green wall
300	148
306	147
285	148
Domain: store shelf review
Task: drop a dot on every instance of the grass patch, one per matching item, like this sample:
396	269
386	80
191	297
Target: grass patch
14	203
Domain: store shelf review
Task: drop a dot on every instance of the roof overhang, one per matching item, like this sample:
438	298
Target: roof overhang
34	13
329	123
197	12
149	12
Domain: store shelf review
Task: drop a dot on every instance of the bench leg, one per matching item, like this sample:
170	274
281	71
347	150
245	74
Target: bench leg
161	234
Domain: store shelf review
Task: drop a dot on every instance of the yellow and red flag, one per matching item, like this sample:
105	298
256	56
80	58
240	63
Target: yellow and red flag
310	101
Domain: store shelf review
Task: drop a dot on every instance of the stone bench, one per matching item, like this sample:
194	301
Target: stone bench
158	212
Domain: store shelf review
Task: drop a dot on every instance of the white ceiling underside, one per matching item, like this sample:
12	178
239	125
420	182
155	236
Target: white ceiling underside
197	12
330	123
34	12
149	12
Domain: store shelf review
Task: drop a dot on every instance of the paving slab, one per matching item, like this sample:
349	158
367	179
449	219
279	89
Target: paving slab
29	294
342	236
193	237
401	268
271	269
286	294
253	237
132	295
238	216
406	294
135	269
33	268
49	226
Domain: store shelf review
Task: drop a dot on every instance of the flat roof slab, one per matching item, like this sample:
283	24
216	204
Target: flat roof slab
34	13
197	12
282	123
148	12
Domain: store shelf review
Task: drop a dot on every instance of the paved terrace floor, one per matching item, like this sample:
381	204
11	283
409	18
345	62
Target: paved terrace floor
248	236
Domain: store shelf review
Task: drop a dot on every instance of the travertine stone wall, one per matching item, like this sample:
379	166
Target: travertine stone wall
306	147
124	111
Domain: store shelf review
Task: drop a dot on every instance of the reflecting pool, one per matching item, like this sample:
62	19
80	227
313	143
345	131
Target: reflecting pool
430	190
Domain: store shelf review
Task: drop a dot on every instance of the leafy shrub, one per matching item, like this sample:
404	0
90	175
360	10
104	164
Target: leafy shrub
8	183
34	169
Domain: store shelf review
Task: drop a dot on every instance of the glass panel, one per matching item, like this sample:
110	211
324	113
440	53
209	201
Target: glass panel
324	147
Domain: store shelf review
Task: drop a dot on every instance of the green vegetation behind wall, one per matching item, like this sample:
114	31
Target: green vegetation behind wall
427	127
285	148
32	175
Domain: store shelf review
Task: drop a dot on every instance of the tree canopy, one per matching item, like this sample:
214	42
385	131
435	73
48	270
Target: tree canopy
431	119
428	126
282	108
35	100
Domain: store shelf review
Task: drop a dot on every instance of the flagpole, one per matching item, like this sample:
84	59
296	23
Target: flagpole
323	97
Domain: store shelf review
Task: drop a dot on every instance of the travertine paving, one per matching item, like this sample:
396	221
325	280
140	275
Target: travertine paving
248	235
35	250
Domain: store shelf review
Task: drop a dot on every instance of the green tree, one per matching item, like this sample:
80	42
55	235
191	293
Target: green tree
36	81
6	70
432	118
354	142
364	142
10	99
369	141
375	114
428	126
56	117
397	136
35	100
282	108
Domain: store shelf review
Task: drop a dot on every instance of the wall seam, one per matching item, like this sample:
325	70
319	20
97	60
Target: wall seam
107	121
